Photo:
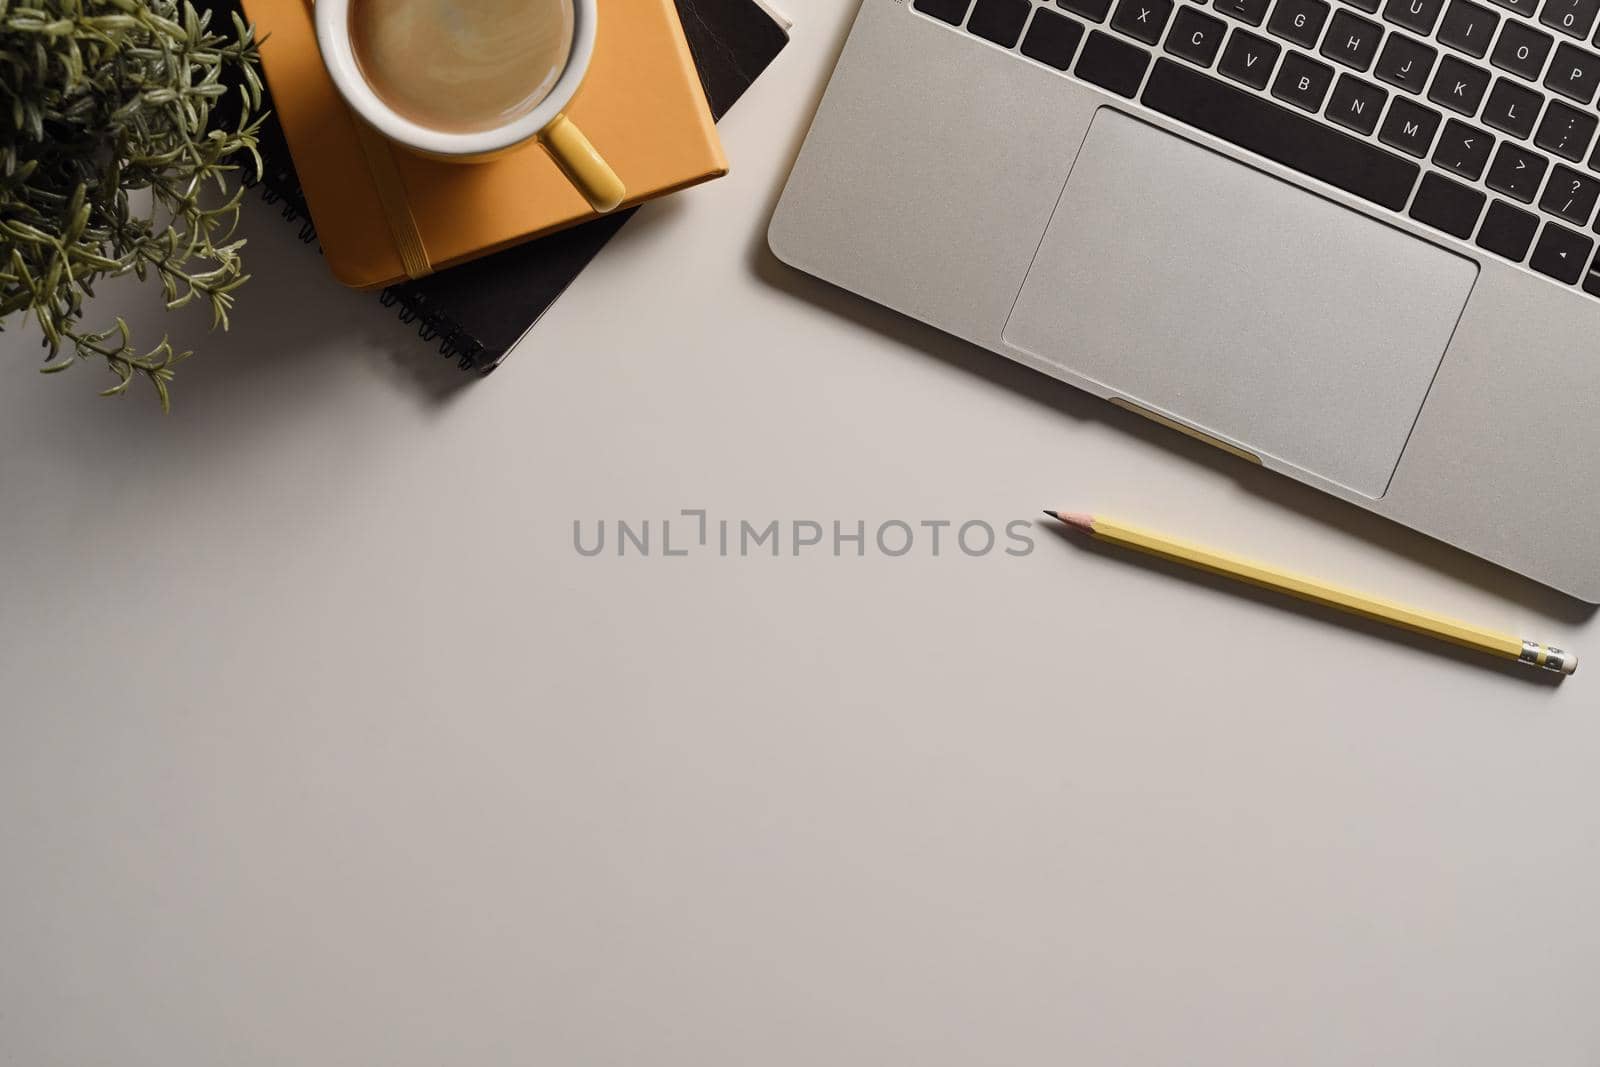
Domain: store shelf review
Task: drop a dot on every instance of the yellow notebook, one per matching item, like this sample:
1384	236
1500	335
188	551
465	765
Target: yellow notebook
641	105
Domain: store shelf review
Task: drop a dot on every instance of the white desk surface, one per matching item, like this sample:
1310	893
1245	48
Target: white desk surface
322	744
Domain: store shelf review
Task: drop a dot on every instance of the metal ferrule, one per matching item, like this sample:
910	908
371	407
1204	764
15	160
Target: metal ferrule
1551	659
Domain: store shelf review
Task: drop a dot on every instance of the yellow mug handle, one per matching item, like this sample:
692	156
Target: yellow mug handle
583	166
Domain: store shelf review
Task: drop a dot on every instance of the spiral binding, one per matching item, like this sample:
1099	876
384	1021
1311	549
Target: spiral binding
278	187
454	342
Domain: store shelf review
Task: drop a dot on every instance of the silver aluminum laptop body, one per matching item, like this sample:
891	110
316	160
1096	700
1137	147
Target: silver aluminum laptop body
1089	236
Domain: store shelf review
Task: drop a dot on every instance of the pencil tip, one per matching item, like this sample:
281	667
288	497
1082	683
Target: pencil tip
1076	520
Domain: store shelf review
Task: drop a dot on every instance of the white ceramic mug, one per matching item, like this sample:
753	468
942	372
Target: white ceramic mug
577	158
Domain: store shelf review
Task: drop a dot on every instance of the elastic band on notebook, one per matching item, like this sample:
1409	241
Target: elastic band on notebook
392	198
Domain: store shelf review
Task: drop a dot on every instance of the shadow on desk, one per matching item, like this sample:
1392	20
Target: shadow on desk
288	321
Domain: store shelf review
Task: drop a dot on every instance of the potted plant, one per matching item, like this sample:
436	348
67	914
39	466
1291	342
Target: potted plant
123	125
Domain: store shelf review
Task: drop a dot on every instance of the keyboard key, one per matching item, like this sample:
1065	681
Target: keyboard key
1249	59
951	11
1052	39
1574	17
1565	131
1458	86
1409	127
1447	205
1251	11
1507	231
1468	28
1299	21
1000	21
1196	36
1573	73
1463	149
1352	40
1356	104
1405	63
1144	19
1570	195
1369	6
1418	16
1093	10
1302	82
1112	64
1512	108
1521	7
1258	125
1522	50
1561	253
1517	173
1591	281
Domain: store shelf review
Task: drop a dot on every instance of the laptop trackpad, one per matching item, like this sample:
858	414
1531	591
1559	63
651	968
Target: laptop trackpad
1239	304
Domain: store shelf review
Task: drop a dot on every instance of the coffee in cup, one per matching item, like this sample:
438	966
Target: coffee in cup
461	66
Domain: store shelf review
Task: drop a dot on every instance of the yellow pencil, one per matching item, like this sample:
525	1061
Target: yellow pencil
1495	644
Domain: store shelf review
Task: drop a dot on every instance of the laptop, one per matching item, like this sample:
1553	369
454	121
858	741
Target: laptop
1352	242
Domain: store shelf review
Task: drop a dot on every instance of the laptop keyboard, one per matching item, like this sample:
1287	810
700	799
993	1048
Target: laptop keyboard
1477	121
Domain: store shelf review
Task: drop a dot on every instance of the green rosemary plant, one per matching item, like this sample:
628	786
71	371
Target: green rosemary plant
114	160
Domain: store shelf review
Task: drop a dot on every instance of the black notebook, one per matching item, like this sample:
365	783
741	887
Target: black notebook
476	311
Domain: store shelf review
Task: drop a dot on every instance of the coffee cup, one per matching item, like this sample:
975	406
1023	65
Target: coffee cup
434	132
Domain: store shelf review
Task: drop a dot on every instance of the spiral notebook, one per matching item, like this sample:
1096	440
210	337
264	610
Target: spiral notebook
477	311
